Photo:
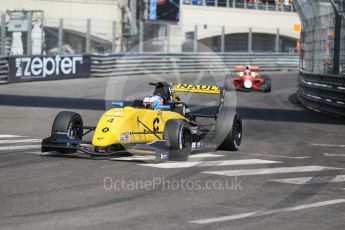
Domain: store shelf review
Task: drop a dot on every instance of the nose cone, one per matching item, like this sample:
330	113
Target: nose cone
248	84
109	128
103	139
114	127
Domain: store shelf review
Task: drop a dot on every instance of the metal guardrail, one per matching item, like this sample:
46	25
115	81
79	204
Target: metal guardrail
3	70
158	63
324	93
127	64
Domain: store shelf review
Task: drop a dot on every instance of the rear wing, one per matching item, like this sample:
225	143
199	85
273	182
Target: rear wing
191	88
239	70
242	68
204	89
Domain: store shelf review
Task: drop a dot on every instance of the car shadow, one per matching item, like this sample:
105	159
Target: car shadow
300	114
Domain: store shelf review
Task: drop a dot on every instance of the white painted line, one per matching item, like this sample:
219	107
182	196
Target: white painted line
8	136
311	180
205	155
19	147
333	155
41	153
171	165
20	141
152	158
266	155
267	212
263	171
328	145
133	158
338	135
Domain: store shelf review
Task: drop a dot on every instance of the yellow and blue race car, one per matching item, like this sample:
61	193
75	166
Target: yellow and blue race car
160	125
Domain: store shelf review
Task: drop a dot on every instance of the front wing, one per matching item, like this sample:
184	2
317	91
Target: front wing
60	142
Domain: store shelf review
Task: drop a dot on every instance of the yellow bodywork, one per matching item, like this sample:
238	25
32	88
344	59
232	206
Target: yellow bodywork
127	126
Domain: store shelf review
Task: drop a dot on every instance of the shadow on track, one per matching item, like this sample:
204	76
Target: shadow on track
302	115
52	102
251	113
284	115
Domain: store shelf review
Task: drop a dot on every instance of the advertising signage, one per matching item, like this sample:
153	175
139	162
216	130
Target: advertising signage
38	67
168	10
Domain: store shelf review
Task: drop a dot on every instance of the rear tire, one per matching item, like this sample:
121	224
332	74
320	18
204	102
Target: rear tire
178	137
233	137
267	86
227	83
70	123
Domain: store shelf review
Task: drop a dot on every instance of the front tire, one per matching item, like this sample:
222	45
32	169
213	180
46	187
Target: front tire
178	137
70	123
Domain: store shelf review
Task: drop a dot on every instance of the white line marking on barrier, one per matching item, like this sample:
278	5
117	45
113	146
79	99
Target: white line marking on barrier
267	212
171	165
328	145
9	136
19	147
20	141
311	180
287	157
264	171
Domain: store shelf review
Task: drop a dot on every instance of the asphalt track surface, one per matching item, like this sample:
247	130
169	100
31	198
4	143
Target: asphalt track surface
289	173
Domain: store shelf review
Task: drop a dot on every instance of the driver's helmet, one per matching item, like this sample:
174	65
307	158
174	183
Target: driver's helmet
247	72
153	101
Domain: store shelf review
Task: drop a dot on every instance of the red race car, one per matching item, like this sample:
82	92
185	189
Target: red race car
248	78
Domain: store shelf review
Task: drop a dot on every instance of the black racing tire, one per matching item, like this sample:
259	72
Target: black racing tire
70	123
178	136
227	83
267	86
232	132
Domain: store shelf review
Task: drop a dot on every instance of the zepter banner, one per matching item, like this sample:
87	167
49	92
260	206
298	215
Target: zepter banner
29	68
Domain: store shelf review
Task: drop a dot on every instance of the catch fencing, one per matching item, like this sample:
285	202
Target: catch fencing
3	70
160	63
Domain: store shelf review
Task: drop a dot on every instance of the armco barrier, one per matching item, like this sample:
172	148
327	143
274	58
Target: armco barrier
324	93
3	70
156	63
126	64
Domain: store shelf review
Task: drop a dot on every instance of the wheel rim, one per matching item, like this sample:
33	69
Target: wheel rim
184	138
73	131
237	133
